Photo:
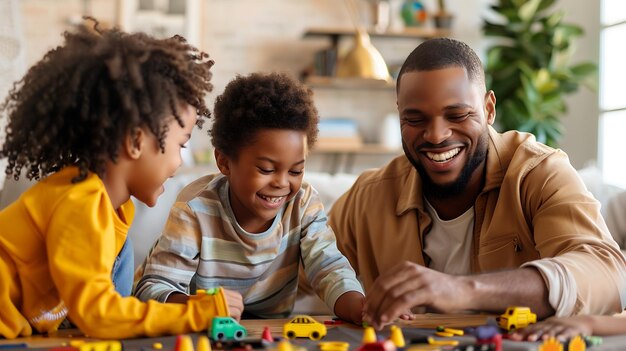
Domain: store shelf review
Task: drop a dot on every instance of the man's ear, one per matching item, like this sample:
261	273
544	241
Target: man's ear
222	162
134	143
490	107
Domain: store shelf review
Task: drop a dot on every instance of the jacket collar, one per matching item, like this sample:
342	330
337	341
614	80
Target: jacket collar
498	159
411	196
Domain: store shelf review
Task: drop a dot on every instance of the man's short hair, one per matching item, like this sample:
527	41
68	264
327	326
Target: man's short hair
442	53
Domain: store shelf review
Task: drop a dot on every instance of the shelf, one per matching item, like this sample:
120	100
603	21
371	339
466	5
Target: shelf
408	32
363	149
348	83
341	158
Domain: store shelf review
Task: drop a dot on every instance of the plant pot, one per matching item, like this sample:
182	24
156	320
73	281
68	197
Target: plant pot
443	20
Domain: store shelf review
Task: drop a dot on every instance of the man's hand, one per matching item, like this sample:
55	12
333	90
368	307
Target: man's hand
409	285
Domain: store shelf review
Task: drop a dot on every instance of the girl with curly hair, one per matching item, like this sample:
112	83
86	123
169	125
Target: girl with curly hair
98	120
254	225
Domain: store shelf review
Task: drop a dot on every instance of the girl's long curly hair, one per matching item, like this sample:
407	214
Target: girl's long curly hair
76	105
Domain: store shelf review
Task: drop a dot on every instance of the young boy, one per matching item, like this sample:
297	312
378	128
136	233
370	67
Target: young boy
250	227
101	118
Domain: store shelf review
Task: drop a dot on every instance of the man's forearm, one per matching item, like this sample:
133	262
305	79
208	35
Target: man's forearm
519	287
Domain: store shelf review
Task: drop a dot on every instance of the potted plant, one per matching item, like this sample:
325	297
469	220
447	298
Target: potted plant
442	18
529	67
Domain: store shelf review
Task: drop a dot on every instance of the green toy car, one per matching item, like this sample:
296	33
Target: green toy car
226	328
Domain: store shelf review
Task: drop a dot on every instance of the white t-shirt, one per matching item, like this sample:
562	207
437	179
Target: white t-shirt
449	243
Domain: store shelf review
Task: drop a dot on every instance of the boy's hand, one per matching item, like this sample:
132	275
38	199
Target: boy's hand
407	316
563	328
349	307
234	302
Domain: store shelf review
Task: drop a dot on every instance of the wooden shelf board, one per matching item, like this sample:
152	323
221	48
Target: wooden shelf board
348	83
363	149
407	32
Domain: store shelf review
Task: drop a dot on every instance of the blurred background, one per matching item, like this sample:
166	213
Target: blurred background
244	36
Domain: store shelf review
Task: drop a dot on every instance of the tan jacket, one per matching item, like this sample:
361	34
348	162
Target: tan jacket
533	205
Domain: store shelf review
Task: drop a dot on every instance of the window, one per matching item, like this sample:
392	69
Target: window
612	97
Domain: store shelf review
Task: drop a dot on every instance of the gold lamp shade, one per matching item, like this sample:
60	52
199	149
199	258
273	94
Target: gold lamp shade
363	60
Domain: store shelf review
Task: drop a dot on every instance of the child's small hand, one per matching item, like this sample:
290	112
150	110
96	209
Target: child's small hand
349	307
561	328
235	303
357	310
407	316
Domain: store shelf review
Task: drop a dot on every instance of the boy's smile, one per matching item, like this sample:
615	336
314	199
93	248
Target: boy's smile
273	201
266	174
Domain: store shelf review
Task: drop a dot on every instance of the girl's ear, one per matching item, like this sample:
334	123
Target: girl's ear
222	162
134	143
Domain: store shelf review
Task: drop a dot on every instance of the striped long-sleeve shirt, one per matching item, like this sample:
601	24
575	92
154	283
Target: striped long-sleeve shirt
202	246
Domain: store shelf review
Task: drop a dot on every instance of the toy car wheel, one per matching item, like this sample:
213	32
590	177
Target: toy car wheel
239	334
291	334
315	336
220	336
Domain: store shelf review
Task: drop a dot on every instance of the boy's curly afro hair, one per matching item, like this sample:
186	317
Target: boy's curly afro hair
261	101
76	105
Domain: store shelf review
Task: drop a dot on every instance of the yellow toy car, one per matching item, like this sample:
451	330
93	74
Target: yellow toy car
302	326
516	317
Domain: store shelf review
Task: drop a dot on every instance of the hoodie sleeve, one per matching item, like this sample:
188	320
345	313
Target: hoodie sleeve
81	248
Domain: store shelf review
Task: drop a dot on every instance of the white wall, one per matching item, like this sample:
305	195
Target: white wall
581	123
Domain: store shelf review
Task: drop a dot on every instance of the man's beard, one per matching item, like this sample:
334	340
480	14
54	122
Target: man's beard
445	191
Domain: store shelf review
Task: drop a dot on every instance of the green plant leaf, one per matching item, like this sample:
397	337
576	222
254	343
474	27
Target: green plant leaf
545	4
529	69
540	133
584	69
528	10
493	29
571	30
544	82
554	19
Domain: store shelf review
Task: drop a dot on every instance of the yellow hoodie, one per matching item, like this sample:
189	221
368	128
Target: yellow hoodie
58	243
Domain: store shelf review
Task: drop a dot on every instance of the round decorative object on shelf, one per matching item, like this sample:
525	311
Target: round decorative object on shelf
414	13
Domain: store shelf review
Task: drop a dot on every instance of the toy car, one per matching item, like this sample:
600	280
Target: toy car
226	328
516	317
302	326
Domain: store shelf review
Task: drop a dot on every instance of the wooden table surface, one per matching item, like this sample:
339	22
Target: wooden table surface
423	325
255	328
427	320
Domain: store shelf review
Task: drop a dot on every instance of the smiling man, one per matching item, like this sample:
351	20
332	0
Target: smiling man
470	219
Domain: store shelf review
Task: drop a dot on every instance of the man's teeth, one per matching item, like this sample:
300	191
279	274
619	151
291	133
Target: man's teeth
271	199
444	156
